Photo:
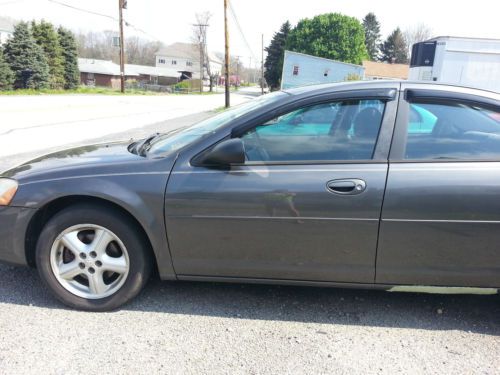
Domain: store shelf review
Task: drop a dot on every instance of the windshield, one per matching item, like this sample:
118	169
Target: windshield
175	140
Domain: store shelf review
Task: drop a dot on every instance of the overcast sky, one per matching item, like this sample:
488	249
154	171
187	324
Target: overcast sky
170	20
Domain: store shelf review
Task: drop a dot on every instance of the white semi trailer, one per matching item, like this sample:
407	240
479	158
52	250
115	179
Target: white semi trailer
470	62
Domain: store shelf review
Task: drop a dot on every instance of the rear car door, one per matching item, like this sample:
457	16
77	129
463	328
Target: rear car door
441	216
304	206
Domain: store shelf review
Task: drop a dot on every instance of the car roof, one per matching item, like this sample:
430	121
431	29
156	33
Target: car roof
374	84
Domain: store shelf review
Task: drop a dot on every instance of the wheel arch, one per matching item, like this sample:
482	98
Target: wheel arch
50	209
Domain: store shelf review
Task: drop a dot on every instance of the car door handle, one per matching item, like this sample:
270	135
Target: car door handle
349	186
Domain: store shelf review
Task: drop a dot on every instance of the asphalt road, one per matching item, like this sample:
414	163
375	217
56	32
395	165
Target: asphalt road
37	122
195	328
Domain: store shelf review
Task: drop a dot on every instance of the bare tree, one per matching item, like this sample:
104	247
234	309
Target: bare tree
417	33
99	45
200	38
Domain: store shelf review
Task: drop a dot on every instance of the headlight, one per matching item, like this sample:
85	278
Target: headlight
8	189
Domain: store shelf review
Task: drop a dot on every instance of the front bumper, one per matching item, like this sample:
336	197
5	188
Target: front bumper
14	223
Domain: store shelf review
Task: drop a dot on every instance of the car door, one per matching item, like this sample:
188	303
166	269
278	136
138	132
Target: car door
441	215
304	206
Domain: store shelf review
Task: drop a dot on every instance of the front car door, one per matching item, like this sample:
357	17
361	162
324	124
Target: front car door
304	206
441	216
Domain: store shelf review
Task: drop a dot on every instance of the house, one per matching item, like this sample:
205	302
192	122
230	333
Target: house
382	70
103	73
185	57
300	70
157	75
94	72
6	29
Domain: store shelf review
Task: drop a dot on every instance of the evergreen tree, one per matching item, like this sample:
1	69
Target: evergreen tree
372	35
6	74
47	38
26	59
332	36
68	45
275	56
395	48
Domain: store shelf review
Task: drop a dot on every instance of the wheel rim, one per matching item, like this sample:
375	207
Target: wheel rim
89	261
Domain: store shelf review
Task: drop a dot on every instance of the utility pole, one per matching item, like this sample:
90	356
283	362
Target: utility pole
249	68
226	52
122	4
262	68
238	80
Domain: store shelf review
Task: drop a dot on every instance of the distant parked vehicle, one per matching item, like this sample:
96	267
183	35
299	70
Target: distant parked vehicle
388	185
472	62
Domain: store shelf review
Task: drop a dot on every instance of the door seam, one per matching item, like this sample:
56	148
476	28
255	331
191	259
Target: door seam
385	186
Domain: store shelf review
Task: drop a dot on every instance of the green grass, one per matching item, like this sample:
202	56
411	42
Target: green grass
94	90
220	109
98	90
79	90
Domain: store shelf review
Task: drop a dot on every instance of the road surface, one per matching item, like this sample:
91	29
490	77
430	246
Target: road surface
38	122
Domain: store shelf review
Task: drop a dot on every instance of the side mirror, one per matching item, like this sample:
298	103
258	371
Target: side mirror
231	151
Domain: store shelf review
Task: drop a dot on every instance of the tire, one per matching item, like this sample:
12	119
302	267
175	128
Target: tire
93	258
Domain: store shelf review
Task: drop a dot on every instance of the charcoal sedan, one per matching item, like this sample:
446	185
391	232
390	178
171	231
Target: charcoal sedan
389	185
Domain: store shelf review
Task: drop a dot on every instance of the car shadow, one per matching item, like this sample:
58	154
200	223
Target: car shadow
468	313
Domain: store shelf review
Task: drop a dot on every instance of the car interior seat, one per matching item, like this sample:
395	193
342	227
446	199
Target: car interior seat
366	124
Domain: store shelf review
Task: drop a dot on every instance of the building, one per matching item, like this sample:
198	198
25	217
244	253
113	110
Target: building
154	75
185	57
94	72
102	73
471	62
6	29
300	70
382	70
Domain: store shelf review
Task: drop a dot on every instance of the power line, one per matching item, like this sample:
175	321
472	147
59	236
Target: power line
83	10
233	13
128	24
11	2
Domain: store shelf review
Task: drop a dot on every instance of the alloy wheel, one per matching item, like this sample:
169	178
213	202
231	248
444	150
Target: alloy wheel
89	261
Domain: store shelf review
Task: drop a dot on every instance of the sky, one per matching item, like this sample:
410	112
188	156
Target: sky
171	21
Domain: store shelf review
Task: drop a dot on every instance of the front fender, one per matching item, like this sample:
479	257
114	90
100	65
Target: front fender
140	194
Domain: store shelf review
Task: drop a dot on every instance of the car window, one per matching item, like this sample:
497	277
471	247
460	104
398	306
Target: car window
332	131
175	140
440	130
421	120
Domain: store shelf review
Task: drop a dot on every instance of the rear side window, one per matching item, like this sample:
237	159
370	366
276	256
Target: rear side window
452	130
335	131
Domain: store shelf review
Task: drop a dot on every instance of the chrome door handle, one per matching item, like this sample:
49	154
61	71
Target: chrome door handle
348	186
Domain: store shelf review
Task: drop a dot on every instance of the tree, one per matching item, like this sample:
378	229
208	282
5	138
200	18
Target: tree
275	56
46	37
372	35
141	52
70	58
99	45
395	48
332	36
416	34
26	59
200	38
6	74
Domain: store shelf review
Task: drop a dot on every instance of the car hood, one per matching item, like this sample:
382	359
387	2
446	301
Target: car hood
109	158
